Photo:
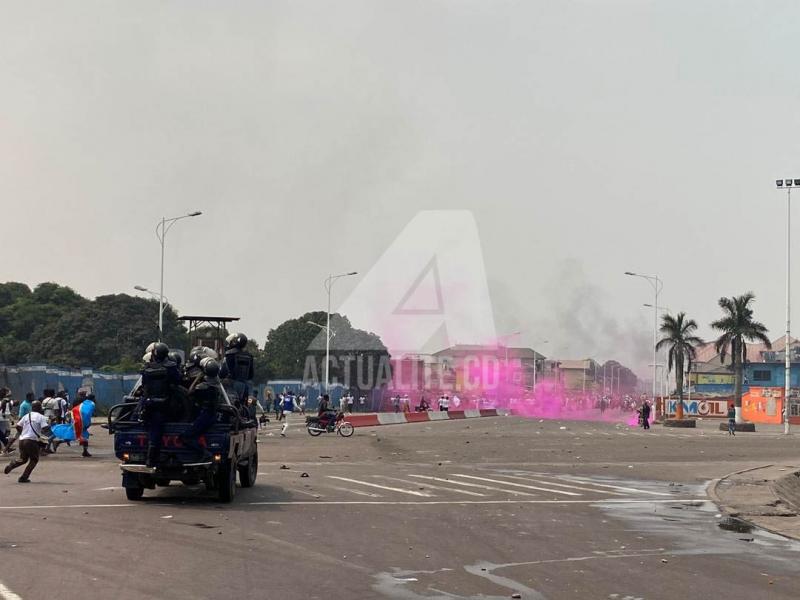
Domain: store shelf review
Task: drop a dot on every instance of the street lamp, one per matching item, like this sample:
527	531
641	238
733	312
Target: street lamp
328	285
165	225
140	288
662	308
787	184
657	285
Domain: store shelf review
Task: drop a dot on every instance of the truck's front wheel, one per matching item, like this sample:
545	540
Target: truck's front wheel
226	481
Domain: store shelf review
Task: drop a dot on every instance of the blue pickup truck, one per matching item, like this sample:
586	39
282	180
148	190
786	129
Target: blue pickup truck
232	443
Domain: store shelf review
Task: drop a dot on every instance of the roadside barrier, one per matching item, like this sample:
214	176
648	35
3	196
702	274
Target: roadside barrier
374	419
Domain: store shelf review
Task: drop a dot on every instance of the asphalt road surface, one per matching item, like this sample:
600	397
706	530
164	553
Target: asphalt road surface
482	509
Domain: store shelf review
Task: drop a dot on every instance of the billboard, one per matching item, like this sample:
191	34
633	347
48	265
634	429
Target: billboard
699	408
711	378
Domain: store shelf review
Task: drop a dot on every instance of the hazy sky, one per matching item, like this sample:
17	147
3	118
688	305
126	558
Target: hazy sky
588	138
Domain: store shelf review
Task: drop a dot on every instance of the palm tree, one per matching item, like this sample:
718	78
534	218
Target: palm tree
737	327
681	341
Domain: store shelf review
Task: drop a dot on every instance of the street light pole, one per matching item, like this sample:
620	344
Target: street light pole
166	225
140	288
657	285
787	183
328	286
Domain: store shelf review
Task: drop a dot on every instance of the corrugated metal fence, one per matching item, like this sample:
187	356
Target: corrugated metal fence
109	388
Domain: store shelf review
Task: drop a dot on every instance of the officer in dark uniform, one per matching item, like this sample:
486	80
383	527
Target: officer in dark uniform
206	397
159	376
239	365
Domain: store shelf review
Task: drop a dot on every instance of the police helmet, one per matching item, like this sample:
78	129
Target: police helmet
230	341
198	353
210	367
175	357
36	406
160	351
240	341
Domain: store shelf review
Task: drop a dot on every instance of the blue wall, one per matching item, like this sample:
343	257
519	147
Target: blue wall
109	388
776	373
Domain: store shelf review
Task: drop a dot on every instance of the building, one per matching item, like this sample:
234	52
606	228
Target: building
471	366
578	375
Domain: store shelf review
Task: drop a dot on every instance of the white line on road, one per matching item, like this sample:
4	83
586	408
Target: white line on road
522	485
434	487
382	487
356	492
464	502
7	594
613	487
564	485
49	506
474	485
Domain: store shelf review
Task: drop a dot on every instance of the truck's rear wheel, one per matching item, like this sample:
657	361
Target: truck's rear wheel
134	493
226	481
249	472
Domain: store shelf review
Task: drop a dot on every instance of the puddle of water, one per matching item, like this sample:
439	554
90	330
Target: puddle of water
734	524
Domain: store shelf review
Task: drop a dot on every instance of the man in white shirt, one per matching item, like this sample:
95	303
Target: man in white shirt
31	427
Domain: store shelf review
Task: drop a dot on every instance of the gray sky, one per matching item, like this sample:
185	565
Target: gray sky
588	138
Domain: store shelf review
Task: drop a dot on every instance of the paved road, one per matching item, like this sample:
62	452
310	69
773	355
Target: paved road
484	509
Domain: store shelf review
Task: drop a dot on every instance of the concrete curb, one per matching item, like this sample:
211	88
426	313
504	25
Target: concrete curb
711	491
373	420
711	488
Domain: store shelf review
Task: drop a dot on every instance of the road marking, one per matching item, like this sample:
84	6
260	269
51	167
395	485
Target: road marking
382	487
7	594
105	489
613	487
474	485
470	502
433	487
522	485
313	495
357	492
50	506
561	485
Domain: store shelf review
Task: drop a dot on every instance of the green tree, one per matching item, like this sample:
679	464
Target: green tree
738	327
681	343
296	343
112	332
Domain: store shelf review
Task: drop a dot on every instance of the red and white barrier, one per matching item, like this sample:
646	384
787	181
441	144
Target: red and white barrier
374	419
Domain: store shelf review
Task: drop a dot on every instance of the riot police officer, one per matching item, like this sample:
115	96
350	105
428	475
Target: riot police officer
193	372
159	376
238	365
206	397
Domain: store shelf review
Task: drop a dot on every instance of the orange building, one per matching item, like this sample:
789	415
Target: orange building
765	405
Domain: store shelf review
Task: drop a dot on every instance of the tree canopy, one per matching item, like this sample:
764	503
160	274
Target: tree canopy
296	350
53	324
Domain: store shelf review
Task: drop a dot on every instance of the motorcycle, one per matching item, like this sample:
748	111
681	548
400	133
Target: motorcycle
329	423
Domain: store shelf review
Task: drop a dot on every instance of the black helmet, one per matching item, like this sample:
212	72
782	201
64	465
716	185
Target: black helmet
160	351
210	367
36	406
175	357
240	341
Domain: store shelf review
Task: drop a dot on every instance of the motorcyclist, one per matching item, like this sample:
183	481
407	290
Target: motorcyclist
206	397
159	376
239	365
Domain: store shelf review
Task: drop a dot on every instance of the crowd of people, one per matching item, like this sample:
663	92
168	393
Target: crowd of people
38	426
